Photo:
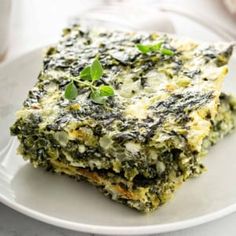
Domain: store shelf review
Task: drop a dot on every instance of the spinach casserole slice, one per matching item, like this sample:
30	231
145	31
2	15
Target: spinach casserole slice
131	113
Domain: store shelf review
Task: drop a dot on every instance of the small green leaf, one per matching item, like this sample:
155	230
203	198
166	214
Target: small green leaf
96	70
143	48
97	98
91	73
106	90
167	52
156	47
85	73
71	91
148	47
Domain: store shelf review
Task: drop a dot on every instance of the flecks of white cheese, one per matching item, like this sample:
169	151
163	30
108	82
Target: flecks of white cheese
129	88
152	154
82	148
49	111
138	108
199	129
83	134
133	147
105	142
23	113
61	137
72	161
160	167
46	107
185	44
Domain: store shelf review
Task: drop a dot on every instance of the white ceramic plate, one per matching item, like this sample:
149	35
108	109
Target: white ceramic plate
61	201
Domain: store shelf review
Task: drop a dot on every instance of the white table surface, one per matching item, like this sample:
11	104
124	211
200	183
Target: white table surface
33	26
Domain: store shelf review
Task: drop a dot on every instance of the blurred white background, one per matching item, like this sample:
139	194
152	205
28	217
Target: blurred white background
36	23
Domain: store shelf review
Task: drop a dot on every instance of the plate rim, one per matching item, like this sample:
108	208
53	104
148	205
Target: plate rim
122	230
104	229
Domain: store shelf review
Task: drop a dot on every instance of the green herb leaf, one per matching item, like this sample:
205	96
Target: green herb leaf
85	73
143	48
96	70
91	73
149	48
155	48
106	90
71	91
96	97
166	51
100	95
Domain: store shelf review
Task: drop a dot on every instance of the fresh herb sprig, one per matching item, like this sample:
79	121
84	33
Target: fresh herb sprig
159	47
87	77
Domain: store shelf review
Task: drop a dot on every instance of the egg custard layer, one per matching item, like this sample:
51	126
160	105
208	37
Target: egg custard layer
139	144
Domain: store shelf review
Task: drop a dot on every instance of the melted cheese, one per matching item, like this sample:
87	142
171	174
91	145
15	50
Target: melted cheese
138	109
199	129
